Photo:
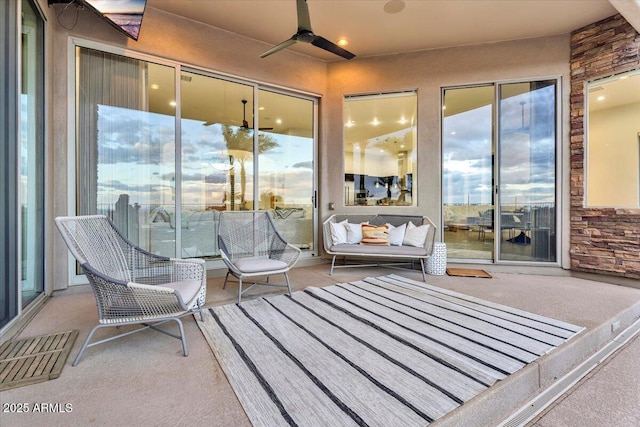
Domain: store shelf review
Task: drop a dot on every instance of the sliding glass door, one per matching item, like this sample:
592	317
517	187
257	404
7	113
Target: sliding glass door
162	150
286	164
468	163
499	171
22	158
527	171
32	155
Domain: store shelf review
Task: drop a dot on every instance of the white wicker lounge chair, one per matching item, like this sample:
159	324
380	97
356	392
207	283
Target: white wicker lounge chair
131	285
251	247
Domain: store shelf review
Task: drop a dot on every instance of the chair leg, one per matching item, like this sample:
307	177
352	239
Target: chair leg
286	277
182	337
224	285
239	290
200	310
424	277
86	344
333	262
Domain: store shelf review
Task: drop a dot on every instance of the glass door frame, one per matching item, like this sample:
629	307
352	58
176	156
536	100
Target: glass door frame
75	42
496	197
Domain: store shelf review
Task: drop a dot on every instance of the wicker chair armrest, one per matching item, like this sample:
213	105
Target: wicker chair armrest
290	254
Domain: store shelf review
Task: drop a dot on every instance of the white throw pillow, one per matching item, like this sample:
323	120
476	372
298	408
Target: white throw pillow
354	232
339	232
396	234
415	236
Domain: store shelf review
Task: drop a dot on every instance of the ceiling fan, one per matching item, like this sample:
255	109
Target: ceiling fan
305	35
245	124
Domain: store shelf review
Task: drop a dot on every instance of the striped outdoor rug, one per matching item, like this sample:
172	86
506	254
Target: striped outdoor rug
385	351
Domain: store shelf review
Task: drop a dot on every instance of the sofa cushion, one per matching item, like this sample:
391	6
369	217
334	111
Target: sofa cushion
396	234
375	235
415	236
354	232
338	232
405	251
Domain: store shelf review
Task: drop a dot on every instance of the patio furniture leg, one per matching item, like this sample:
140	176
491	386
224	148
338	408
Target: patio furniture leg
85	344
333	262
239	289
200	310
286	277
225	280
424	277
182	337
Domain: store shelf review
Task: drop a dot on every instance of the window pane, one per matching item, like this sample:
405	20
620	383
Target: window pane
217	157
285	146
613	141
527	171
467	149
126	146
31	155
380	150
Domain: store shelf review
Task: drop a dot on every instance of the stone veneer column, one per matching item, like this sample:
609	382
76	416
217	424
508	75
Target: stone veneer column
603	240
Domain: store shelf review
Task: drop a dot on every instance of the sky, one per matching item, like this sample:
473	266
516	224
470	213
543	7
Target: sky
527	162
118	6
137	157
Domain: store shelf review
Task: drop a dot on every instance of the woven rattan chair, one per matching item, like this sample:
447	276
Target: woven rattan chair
131	285
251	247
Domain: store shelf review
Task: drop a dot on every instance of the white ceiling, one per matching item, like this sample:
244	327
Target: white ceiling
421	24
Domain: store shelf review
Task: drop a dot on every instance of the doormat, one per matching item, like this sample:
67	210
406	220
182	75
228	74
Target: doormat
467	272
34	360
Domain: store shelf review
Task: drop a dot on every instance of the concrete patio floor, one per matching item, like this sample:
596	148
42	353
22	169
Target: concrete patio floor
143	379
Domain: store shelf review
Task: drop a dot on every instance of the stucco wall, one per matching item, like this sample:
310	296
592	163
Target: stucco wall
429	72
603	240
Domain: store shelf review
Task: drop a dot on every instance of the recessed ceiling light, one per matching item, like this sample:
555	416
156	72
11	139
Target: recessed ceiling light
375	121
279	121
600	98
350	123
403	121
172	103
261	108
343	42
155	86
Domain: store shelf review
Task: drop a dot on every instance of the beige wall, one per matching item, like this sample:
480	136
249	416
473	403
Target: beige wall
613	156
428	72
191	43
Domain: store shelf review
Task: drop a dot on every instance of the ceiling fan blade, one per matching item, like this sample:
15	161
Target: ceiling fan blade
327	45
304	22
279	47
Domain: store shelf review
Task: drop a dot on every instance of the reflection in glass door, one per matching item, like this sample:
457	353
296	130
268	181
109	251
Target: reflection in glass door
527	171
285	164
217	157
31	193
467	149
499	190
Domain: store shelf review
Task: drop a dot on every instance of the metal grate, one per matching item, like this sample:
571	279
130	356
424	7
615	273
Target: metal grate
33	360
